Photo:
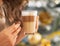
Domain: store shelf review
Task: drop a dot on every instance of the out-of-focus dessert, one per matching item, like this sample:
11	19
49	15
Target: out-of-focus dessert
45	42
34	39
45	17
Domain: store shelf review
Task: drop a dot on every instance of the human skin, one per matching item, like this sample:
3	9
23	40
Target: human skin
13	34
9	36
1	2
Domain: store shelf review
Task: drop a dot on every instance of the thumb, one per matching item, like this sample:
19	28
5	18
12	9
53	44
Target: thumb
20	37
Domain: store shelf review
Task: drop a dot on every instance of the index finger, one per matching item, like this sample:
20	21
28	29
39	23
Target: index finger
14	27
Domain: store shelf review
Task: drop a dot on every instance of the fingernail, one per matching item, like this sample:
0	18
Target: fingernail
17	25
13	24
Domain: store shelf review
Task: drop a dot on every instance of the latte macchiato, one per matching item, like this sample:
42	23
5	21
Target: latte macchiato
29	21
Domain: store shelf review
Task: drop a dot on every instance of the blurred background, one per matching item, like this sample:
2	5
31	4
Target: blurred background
49	23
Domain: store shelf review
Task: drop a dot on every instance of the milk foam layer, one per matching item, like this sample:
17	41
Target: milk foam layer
29	13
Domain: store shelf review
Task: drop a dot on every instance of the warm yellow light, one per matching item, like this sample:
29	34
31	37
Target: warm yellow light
34	39
57	1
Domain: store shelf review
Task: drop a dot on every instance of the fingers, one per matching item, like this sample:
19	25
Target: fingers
15	35
20	37
14	41
8	28
13	28
16	32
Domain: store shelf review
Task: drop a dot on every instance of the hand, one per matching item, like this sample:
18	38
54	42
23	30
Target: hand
22	35
9	35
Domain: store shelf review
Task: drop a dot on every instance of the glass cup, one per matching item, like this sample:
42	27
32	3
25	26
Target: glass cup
29	21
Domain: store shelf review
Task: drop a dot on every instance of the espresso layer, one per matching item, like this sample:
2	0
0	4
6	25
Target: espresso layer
28	18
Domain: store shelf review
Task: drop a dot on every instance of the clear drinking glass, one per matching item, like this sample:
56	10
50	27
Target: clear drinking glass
29	21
